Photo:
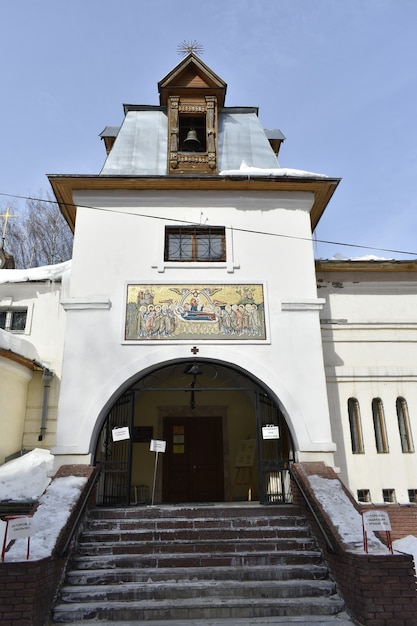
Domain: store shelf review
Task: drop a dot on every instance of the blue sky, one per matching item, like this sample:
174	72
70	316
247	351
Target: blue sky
337	77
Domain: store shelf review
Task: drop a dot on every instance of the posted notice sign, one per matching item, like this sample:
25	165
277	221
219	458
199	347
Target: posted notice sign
270	432
158	445
118	434
376	520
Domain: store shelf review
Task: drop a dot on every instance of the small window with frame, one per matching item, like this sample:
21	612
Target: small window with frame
13	320
195	244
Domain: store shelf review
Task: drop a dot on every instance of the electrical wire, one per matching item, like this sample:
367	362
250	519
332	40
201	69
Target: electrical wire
244	230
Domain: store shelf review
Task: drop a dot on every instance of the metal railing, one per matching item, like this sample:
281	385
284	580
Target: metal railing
75	523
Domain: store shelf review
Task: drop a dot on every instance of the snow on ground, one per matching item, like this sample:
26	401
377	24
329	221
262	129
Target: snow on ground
407	545
26	477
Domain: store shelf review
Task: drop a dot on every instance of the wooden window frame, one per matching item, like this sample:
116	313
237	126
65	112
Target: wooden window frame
380	429
10	315
355	424
404	426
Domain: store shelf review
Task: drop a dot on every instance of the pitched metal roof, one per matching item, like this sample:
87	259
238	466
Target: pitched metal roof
141	146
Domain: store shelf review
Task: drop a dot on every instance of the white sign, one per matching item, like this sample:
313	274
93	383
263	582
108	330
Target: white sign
270	432
118	434
19	527
376	520
158	446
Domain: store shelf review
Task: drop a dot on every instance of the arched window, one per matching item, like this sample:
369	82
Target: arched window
378	415
404	425
355	426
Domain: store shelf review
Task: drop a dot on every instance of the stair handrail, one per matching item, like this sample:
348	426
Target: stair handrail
329	544
81	510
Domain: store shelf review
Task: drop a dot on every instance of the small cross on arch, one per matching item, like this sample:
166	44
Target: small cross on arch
195	350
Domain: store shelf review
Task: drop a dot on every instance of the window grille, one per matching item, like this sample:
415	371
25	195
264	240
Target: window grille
195	244
388	495
364	495
412	495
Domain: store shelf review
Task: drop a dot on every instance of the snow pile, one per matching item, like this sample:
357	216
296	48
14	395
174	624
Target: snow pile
26	477
343	515
249	170
50	517
407	545
46	272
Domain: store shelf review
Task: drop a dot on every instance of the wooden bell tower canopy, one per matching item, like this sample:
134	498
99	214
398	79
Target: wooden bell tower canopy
192	80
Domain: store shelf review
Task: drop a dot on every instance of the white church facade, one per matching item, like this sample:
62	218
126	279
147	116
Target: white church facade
193	312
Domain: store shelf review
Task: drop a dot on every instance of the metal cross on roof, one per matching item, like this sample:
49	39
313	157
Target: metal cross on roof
6	218
190	47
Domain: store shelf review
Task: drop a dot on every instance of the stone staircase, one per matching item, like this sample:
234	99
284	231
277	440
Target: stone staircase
187	564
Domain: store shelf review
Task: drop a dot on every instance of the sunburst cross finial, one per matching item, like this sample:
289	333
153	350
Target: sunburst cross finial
190	47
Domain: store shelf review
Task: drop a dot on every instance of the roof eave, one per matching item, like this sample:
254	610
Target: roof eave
64	186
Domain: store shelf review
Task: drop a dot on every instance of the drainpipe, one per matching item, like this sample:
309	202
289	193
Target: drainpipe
47	376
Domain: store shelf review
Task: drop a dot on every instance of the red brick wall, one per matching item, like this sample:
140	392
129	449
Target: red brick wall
379	590
28	588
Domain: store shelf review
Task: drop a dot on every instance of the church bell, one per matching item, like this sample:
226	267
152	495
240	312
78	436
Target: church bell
191	142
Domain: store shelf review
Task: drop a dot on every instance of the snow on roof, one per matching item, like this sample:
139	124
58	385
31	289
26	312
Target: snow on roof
21	346
46	272
26	477
248	170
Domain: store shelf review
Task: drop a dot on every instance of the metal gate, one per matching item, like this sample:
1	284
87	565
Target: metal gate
275	454
115	457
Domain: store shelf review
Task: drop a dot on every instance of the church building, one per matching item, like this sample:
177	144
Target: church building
194	320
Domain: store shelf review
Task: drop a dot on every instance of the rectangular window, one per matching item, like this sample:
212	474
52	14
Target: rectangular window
13	320
364	495
195	244
388	495
404	426
378	415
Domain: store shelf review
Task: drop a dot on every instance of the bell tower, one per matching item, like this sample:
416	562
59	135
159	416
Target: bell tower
192	94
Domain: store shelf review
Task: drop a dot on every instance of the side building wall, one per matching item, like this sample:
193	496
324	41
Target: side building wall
29	357
369	331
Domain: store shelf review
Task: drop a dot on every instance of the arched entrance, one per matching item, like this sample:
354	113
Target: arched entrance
226	439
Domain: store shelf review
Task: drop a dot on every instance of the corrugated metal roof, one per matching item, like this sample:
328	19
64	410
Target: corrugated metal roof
140	148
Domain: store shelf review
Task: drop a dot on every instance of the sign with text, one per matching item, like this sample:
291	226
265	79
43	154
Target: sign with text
376	521
119	434
158	446
270	432
19	527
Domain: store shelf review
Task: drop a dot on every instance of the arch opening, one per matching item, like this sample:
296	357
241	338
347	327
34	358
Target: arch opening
226	437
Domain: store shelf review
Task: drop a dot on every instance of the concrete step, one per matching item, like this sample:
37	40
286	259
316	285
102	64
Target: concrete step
182	565
229	511
194	589
341	619
133	533
201	608
197	546
204	559
255	572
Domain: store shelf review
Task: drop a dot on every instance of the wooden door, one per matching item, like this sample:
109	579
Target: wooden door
193	462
